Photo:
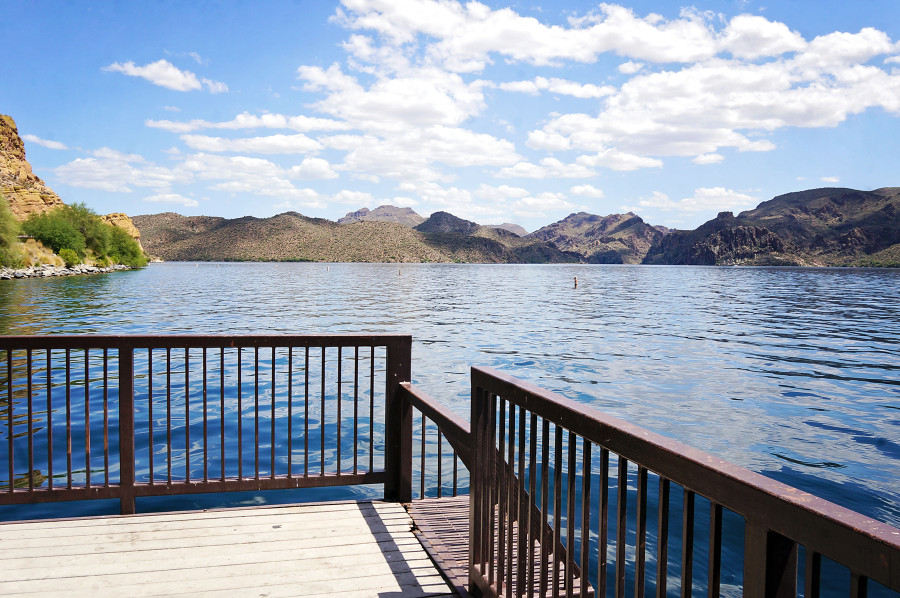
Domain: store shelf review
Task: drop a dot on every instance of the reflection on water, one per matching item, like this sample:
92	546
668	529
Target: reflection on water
794	373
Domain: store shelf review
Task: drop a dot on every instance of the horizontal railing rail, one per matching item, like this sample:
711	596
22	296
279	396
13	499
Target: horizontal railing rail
549	441
120	417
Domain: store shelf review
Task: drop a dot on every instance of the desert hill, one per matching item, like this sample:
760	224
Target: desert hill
817	227
613	239
294	237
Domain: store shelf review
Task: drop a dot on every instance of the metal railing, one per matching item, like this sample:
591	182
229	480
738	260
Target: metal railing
588	476
122	417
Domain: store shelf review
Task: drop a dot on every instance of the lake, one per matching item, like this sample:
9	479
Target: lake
790	372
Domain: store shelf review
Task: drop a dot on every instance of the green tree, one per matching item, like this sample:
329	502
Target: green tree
10	255
123	249
56	230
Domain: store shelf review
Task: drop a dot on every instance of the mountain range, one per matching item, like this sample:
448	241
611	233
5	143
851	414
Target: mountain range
817	227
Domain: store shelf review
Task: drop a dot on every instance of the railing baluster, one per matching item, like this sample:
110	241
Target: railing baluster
169	415
532	500
585	516
205	422
371	408
859	587
49	358
149	411
813	574
422	459
557	506
501	505
523	512
187	415
87	418
355	408
715	550
687	545
640	545
604	522
338	423
30	431
543	532
240	413
439	468
222	411
105	419
570	516
306	415
290	422
256	413
621	525
272	431
68	421
662	538
10	431
126	429
511	510
322	419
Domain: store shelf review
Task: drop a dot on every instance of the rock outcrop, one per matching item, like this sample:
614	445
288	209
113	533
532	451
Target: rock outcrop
613	239
818	227
122	221
26	193
404	216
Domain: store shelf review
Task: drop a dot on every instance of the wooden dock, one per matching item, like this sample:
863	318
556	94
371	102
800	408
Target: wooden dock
348	549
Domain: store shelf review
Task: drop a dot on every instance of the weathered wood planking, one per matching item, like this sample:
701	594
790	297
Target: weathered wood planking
351	549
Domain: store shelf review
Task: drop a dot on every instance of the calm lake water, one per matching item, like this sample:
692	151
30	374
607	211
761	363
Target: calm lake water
793	373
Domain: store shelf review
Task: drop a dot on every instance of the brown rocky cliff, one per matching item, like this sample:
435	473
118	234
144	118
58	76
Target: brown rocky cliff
122	221
26	193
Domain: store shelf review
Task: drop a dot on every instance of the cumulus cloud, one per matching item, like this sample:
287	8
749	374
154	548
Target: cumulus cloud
704	199
708	159
548	168
587	191
165	74
245	120
111	170
559	86
271	144
831	179
56	145
173	198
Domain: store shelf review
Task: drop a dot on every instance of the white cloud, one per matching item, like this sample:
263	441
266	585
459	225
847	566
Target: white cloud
111	170
313	168
587	191
615	159
708	159
500	193
540	204
831	179
56	145
630	67
353	198
750	36
271	144
165	74
704	199
173	198
559	86
245	120
549	168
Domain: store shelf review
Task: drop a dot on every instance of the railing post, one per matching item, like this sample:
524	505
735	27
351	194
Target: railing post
398	424
770	564
126	429
481	478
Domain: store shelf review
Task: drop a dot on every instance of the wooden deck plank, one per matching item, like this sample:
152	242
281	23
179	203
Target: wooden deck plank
364	549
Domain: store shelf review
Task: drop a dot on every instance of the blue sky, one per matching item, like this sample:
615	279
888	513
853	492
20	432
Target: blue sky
495	112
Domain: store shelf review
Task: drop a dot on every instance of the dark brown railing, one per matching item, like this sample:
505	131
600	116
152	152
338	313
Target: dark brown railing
191	414
554	459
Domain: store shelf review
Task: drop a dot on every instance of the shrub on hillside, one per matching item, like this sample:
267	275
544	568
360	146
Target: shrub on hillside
80	230
10	255
56	230
69	257
123	249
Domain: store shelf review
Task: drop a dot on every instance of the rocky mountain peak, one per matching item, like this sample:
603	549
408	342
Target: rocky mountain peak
445	222
386	213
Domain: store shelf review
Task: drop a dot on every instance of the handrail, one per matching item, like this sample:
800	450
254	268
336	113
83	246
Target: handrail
778	517
454	428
